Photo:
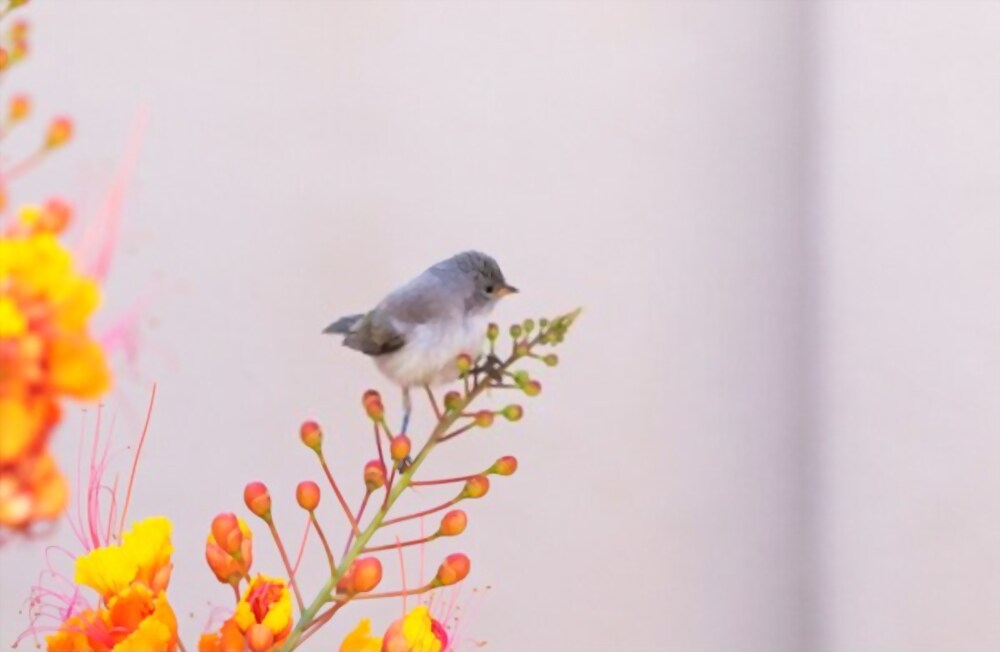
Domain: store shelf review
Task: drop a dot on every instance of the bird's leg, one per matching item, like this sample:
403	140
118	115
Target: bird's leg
407	409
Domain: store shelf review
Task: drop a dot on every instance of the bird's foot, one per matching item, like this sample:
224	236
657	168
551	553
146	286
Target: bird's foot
491	367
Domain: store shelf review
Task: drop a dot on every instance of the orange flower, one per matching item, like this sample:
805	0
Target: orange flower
46	354
266	602
135	619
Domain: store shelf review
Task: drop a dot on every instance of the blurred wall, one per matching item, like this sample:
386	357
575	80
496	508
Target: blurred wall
774	429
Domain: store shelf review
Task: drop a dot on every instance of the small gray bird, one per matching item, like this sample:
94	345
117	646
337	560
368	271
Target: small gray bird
418	330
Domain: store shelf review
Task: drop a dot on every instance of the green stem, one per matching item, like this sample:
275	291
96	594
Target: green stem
325	594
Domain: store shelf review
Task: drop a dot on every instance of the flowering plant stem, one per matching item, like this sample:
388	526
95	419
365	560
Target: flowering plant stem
444	423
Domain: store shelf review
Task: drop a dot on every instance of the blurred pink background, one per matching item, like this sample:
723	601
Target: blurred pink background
777	425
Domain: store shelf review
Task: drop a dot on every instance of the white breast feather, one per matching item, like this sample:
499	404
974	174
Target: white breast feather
428	357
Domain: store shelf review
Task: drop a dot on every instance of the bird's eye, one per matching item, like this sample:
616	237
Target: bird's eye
489	289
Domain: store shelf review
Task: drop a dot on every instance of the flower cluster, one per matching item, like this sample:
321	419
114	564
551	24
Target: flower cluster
46	351
131	579
262	618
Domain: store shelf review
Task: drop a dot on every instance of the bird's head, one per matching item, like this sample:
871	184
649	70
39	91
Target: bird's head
488	282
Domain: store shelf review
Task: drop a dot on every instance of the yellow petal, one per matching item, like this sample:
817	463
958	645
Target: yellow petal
107	570
361	639
12	322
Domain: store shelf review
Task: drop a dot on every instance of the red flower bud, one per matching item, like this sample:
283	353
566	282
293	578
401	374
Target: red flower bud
454	569
374	475
505	465
307	495
226	532
260	638
311	435
476	487
399	448
453	523
484	418
59	132
372	402
258	500
464	362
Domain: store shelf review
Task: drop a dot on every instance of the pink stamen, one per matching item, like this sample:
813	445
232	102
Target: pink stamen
135	461
302	546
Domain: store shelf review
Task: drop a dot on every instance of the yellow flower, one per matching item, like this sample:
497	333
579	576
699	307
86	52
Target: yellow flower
143	558
361	639
150	544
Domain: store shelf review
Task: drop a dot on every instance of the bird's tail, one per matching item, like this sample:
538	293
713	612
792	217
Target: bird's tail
344	325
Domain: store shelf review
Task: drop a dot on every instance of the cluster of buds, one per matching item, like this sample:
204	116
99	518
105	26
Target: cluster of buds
358	571
229	549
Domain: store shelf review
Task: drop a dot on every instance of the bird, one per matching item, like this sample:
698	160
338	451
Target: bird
416	333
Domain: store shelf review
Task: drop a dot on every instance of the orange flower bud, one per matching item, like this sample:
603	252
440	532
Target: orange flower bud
367	574
19	30
484	418
399	448
374	475
533	388
453	523
260	638
454	569
464	362
513	412
258	499
18	108
56	215
504	466
59	133
311	435
476	487
452	401
227	534
229	562
363	576
4	58
372	401
307	494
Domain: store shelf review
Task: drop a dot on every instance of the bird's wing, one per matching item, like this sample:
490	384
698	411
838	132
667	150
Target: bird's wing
383	330
374	336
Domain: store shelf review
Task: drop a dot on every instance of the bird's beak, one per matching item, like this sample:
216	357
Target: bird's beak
505	290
